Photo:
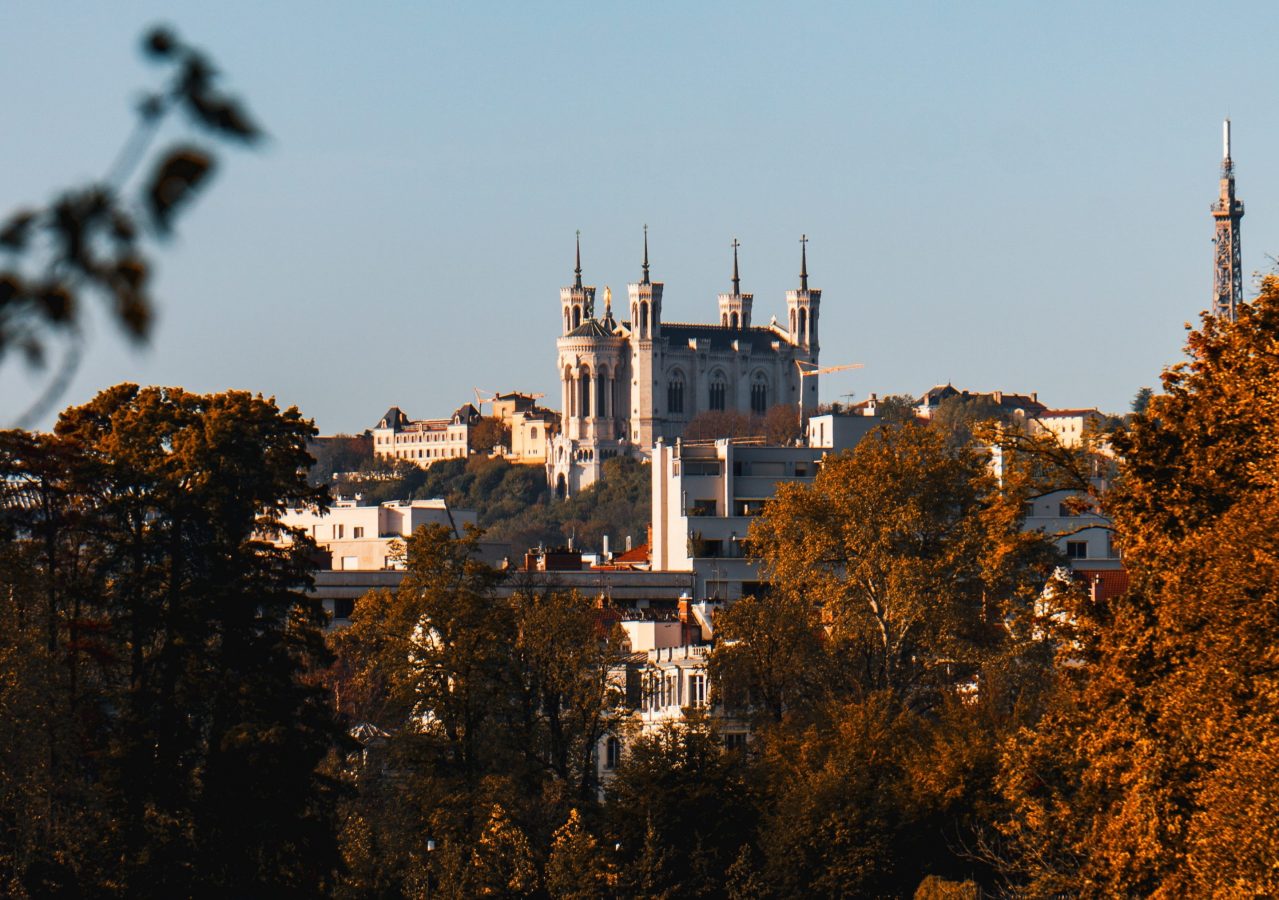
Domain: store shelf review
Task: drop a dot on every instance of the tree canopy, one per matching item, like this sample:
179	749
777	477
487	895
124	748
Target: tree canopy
166	733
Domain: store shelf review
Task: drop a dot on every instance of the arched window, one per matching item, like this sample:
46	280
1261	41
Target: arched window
644	332
803	325
601	389
675	393
759	394
723	320
584	381
732	320
718	392
577	316
567	320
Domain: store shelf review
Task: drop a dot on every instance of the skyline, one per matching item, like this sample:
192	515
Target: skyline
1002	198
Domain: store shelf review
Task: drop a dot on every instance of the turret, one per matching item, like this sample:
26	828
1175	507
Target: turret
577	303
803	307
646	302
735	308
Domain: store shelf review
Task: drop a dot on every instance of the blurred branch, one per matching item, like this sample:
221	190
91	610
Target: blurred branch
94	239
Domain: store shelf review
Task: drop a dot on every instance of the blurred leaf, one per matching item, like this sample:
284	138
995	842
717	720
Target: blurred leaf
15	231
160	42
176	178
132	270
225	115
134	312
56	302
122	227
10	287
197	76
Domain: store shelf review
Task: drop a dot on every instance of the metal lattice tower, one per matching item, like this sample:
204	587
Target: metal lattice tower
1227	287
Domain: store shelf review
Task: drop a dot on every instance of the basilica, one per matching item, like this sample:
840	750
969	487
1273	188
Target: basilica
627	383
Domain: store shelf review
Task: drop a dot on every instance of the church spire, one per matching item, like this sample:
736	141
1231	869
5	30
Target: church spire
803	262
645	280
577	283
737	279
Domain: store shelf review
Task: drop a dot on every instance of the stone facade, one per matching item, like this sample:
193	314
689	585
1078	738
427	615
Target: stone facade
625	384
424	441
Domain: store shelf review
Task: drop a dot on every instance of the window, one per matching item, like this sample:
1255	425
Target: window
735	741
343	607
696	690
350	563
759	394
1029	510
717	394
532	433
1076	549
675	393
702	508
337	532
357	531
613	752
1064	511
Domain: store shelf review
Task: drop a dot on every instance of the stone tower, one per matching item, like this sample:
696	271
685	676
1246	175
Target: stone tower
646	363
803	308
735	308
1227	286
577	303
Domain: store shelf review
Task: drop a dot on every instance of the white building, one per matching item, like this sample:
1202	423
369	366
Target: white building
1069	426
1080	532
705	495
361	538
424	441
628	383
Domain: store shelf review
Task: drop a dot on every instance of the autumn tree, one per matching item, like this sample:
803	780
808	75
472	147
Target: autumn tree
889	656
680	807
186	641
1151	773
894	542
485	699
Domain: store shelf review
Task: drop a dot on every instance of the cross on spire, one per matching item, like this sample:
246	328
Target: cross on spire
803	262
737	281
578	271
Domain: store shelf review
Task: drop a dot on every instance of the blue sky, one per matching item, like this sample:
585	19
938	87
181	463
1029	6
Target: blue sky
1003	195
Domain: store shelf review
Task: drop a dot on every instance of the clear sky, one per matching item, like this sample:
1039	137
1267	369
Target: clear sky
1002	195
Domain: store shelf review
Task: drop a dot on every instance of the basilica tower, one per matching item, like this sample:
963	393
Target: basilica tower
802	309
1227	287
735	308
646	364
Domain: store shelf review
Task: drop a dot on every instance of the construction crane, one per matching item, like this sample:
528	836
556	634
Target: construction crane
807	369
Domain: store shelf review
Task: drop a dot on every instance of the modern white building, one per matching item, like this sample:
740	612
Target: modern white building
362	538
705	495
1080	532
